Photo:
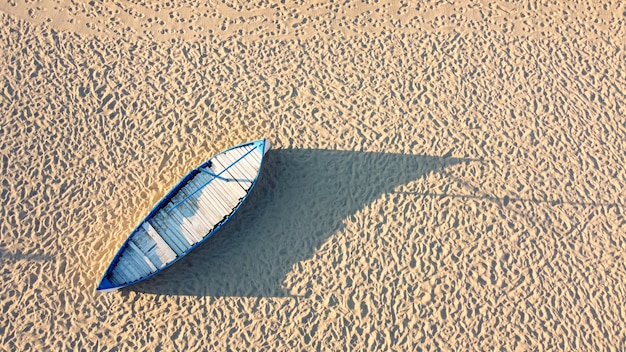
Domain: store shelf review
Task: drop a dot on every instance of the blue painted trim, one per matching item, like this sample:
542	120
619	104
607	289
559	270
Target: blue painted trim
211	180
224	178
106	284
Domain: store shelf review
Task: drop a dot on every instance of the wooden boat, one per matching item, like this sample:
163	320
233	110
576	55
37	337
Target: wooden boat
205	199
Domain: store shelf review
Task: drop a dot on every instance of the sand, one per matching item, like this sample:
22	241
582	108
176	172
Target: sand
447	175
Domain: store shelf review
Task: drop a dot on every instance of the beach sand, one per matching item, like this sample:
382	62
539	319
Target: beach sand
446	175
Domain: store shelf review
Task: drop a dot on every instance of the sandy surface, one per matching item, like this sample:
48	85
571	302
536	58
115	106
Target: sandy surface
448	175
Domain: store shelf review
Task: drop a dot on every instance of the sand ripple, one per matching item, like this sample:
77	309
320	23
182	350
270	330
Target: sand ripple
447	176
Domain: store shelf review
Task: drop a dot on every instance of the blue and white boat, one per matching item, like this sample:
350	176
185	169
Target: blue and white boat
199	205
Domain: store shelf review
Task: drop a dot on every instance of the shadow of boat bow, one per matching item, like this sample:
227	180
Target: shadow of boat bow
301	199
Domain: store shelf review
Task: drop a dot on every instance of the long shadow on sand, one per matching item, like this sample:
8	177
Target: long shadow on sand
301	199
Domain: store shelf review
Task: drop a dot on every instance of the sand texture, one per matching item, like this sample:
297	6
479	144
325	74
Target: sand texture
446	175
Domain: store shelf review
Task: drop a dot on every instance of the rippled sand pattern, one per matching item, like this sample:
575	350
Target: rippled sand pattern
446	175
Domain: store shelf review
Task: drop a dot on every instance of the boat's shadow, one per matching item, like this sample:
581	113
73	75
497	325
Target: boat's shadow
301	199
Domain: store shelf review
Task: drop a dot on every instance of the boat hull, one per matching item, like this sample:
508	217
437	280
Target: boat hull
195	209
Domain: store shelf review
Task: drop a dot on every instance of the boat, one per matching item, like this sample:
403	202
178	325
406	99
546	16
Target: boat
197	207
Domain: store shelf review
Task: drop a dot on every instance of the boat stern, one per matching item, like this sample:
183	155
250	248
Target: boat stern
106	286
